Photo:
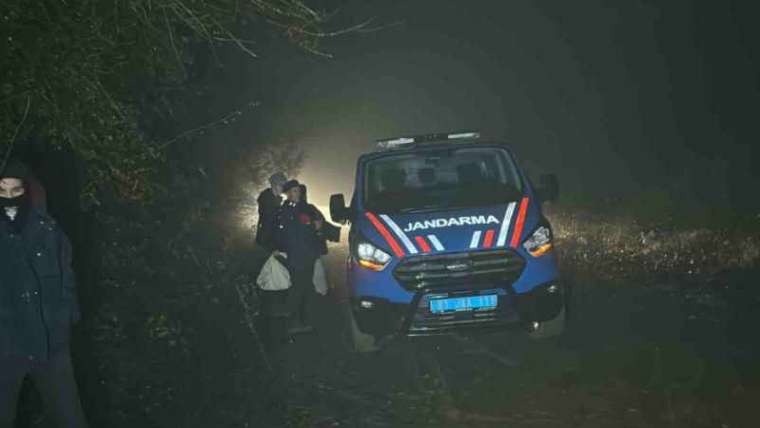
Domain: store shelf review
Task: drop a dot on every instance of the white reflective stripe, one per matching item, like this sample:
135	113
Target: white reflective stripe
400	233
475	239
436	243
505	224
464	135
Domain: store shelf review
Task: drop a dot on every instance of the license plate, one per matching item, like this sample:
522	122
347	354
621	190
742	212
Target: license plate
469	303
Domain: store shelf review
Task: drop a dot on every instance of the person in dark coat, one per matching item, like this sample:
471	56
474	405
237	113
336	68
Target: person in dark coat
297	237
38	305
328	231
269	202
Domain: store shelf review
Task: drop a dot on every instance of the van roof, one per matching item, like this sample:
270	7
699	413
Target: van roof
411	147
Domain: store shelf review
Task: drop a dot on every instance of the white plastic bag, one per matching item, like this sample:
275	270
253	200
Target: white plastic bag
320	277
274	276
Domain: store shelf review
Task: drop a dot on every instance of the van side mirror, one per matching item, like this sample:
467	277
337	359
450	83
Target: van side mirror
548	189
338	210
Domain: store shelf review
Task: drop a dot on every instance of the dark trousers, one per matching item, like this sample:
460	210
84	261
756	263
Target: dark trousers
302	282
54	379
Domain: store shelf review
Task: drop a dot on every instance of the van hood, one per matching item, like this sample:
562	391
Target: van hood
470	229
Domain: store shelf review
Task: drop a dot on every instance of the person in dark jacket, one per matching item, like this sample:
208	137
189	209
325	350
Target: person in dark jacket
38	305
269	202
328	231
297	237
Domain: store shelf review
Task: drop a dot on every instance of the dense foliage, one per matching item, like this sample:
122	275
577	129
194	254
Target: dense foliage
80	74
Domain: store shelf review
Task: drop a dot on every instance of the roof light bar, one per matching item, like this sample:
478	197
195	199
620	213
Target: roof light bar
464	135
392	143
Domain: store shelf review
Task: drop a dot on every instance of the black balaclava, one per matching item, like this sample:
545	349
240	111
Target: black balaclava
15	211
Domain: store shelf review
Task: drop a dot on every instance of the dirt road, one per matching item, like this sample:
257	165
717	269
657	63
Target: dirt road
638	352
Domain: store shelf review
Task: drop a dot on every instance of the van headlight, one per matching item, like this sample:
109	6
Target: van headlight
540	242
371	257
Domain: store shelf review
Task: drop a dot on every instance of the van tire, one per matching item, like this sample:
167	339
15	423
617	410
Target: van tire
552	328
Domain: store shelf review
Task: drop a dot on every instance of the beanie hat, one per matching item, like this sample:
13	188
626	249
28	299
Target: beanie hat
277	179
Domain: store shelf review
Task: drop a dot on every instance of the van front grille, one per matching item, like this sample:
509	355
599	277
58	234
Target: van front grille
470	268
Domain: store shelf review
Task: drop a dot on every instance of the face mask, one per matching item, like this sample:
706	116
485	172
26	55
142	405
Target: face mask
12	202
14	210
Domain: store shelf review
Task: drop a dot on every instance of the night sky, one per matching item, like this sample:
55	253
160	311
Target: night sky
615	97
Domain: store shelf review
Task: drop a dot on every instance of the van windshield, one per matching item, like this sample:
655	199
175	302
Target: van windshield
441	179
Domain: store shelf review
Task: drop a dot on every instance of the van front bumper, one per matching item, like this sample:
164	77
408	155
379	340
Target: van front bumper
381	318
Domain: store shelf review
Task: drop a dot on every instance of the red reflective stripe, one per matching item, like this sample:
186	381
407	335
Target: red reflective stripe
423	244
520	223
386	235
488	240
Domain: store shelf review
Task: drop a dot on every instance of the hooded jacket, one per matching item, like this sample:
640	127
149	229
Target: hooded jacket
38	302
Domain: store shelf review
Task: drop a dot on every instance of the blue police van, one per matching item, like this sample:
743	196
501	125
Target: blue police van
447	232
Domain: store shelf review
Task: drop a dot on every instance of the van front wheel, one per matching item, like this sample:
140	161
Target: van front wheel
548	329
357	340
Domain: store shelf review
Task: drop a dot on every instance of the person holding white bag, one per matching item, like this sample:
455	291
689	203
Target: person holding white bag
271	286
296	265
297	238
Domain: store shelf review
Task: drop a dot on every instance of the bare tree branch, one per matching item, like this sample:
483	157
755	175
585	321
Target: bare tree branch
222	120
12	141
